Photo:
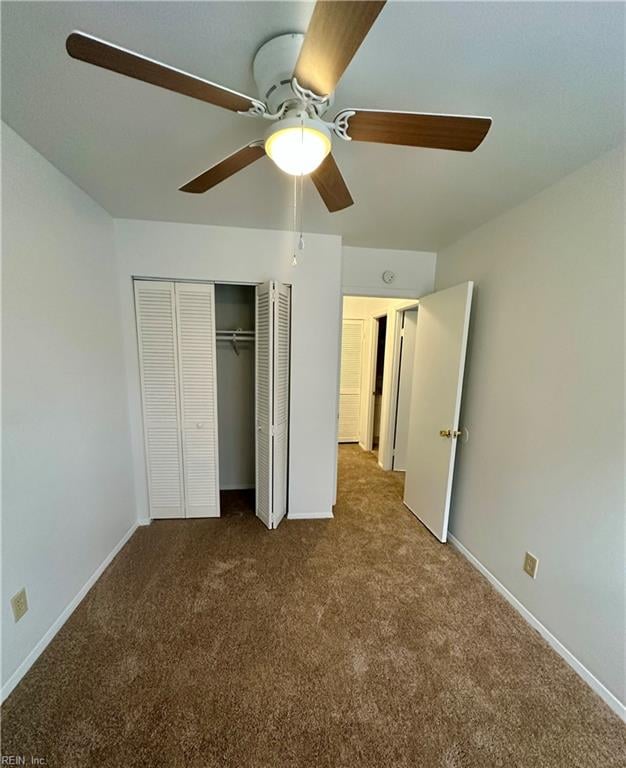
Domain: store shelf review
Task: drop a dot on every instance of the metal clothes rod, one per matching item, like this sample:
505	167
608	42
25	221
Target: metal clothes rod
235	337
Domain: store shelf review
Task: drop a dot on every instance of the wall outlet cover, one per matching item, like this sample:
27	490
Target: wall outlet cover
531	563
19	604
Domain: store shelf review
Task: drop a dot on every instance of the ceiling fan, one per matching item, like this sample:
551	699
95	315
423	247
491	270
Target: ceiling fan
296	76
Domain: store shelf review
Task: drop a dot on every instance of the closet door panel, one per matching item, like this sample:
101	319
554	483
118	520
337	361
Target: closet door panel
195	314
156	334
264	402
282	341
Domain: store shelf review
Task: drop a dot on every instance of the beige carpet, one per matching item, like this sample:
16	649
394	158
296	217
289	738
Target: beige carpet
348	643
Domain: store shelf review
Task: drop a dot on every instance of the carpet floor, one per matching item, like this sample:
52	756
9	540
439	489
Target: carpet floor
358	642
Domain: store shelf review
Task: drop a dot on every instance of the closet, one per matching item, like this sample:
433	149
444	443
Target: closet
214	365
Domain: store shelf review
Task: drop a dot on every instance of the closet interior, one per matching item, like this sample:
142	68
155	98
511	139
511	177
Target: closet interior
235	331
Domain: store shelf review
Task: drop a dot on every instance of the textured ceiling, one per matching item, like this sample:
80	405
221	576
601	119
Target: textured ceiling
550	74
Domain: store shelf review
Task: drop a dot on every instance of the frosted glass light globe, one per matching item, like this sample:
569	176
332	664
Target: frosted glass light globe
298	145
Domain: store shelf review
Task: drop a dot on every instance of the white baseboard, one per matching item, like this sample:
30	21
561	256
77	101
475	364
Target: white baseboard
144	521
592	681
67	612
309	516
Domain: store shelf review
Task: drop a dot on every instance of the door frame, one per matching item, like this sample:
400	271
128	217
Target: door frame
390	437
390	391
385	447
370	399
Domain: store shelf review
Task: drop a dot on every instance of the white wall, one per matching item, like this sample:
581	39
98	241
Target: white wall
544	403
67	488
363	269
224	254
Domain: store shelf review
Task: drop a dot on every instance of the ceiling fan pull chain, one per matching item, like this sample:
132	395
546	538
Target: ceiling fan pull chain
294	262
301	239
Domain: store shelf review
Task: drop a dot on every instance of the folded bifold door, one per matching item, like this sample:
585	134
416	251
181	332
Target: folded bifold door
273	324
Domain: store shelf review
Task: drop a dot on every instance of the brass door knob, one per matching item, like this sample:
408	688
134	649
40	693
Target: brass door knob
445	433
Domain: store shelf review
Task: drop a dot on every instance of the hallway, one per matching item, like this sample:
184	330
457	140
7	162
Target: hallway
359	641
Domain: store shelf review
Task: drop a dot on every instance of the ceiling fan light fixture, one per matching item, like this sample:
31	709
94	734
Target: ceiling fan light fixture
298	145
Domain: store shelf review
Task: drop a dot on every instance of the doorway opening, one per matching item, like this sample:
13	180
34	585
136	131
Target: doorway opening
235	364
401	378
379	373
376	372
406	362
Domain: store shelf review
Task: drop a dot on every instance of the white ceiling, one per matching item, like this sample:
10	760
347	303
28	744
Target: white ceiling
550	74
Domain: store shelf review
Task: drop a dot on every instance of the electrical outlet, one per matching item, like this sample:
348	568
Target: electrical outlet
19	604
531	563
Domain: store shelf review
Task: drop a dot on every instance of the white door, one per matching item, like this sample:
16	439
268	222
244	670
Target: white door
405	381
195	316
155	308
282	342
272	400
440	344
264	354
350	381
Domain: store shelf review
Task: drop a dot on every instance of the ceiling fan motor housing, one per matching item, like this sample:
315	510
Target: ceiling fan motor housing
273	68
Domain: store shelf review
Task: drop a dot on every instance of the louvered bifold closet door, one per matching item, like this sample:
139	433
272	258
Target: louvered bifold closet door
264	354
350	382
195	315
282	330
156	334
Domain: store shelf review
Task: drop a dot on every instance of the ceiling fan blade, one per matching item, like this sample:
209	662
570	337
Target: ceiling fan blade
331	186
109	56
414	129
335	32
226	168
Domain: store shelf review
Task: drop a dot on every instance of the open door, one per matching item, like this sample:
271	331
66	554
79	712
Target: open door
273	321
440	345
